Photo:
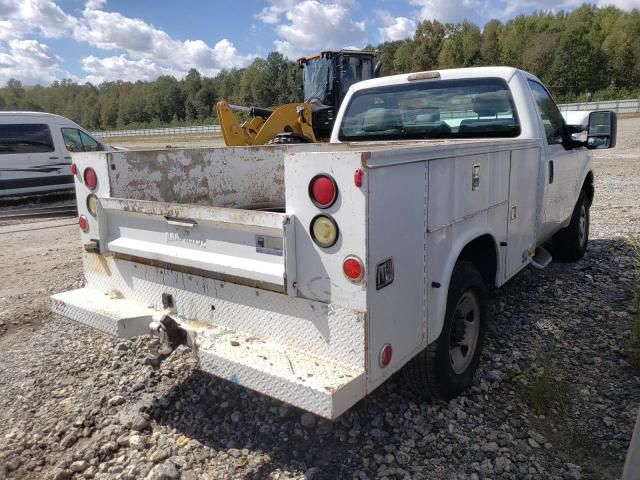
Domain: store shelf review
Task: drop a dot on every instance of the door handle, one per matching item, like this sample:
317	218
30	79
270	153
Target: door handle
550	171
54	158
181	222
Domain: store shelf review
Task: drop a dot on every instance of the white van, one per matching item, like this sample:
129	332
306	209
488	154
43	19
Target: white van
35	152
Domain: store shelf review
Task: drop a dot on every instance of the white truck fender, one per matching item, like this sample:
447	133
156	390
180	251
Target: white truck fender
441	274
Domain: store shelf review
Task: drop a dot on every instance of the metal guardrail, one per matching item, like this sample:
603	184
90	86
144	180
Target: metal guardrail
144	132
618	106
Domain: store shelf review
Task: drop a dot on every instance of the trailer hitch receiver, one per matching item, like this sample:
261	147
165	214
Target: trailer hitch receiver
170	336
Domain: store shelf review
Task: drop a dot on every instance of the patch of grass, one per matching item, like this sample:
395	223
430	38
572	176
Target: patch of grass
549	389
512	373
545	390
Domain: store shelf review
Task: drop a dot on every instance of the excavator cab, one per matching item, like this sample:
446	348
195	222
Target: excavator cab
327	78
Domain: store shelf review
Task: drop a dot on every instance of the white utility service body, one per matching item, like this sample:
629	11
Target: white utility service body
219	240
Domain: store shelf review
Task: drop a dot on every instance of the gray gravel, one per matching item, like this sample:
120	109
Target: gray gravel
78	404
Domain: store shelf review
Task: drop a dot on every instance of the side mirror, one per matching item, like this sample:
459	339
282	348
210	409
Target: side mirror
602	130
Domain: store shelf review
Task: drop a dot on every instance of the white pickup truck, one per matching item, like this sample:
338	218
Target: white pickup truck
311	273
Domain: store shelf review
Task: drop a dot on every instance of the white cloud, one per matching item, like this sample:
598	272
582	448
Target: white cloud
115	68
623	4
312	25
114	31
395	28
451	10
143	41
483	10
20	17
29	61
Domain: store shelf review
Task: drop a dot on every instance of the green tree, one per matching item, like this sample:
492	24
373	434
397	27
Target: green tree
428	41
490	49
403	58
386	55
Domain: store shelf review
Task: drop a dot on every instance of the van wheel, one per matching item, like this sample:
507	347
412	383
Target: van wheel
446	367
570	243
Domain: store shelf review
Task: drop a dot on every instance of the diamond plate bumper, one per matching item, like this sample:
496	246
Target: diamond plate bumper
308	381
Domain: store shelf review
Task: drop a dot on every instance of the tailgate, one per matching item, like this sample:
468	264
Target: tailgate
242	246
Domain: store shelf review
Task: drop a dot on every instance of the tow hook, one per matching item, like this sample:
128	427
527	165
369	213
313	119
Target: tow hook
169	334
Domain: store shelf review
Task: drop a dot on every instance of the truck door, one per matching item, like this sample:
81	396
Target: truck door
523	192
560	164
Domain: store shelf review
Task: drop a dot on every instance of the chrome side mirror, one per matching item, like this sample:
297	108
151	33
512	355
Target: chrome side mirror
602	129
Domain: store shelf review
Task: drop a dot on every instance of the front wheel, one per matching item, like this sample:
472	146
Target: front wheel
570	243
446	367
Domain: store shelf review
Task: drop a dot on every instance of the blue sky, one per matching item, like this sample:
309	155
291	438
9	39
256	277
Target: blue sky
98	40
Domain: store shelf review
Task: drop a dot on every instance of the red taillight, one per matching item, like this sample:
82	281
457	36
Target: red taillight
84	223
385	355
353	268
323	191
74	168
357	178
90	178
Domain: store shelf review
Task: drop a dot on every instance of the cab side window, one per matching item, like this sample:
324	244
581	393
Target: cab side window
77	141
72	139
89	144
552	120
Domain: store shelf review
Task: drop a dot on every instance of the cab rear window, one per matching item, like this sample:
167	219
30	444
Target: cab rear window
25	138
468	108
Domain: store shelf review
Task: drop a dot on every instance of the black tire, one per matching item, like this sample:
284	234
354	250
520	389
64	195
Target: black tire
431	373
288	139
570	243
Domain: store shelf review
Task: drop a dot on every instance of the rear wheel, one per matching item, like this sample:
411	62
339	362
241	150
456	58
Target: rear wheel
570	243
446	367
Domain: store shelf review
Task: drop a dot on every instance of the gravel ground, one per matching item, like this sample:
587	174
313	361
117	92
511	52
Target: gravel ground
555	396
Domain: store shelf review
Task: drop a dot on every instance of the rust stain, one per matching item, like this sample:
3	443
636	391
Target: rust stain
364	158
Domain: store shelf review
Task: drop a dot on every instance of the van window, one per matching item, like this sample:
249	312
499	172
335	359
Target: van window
25	138
468	108
77	141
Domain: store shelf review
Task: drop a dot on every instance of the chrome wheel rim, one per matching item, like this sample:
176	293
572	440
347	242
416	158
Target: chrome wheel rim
582	226
465	332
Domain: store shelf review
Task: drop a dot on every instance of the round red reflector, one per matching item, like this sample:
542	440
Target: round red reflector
385	355
84	223
74	168
90	178
323	191
353	268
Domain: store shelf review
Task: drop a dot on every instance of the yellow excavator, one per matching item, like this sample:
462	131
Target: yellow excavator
327	76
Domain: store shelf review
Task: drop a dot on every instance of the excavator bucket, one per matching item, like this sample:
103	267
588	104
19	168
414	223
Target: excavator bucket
264	124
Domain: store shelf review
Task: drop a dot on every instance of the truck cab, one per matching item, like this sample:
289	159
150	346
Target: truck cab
312	273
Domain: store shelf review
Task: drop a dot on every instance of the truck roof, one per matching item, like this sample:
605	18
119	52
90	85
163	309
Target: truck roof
446	74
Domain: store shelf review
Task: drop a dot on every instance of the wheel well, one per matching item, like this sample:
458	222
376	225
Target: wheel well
588	187
482	253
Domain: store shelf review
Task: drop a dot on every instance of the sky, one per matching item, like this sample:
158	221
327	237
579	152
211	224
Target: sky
100	40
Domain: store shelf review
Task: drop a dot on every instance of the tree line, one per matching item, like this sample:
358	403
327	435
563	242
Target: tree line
590	53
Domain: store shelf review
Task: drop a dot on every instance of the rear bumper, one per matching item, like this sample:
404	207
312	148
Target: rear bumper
272	366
